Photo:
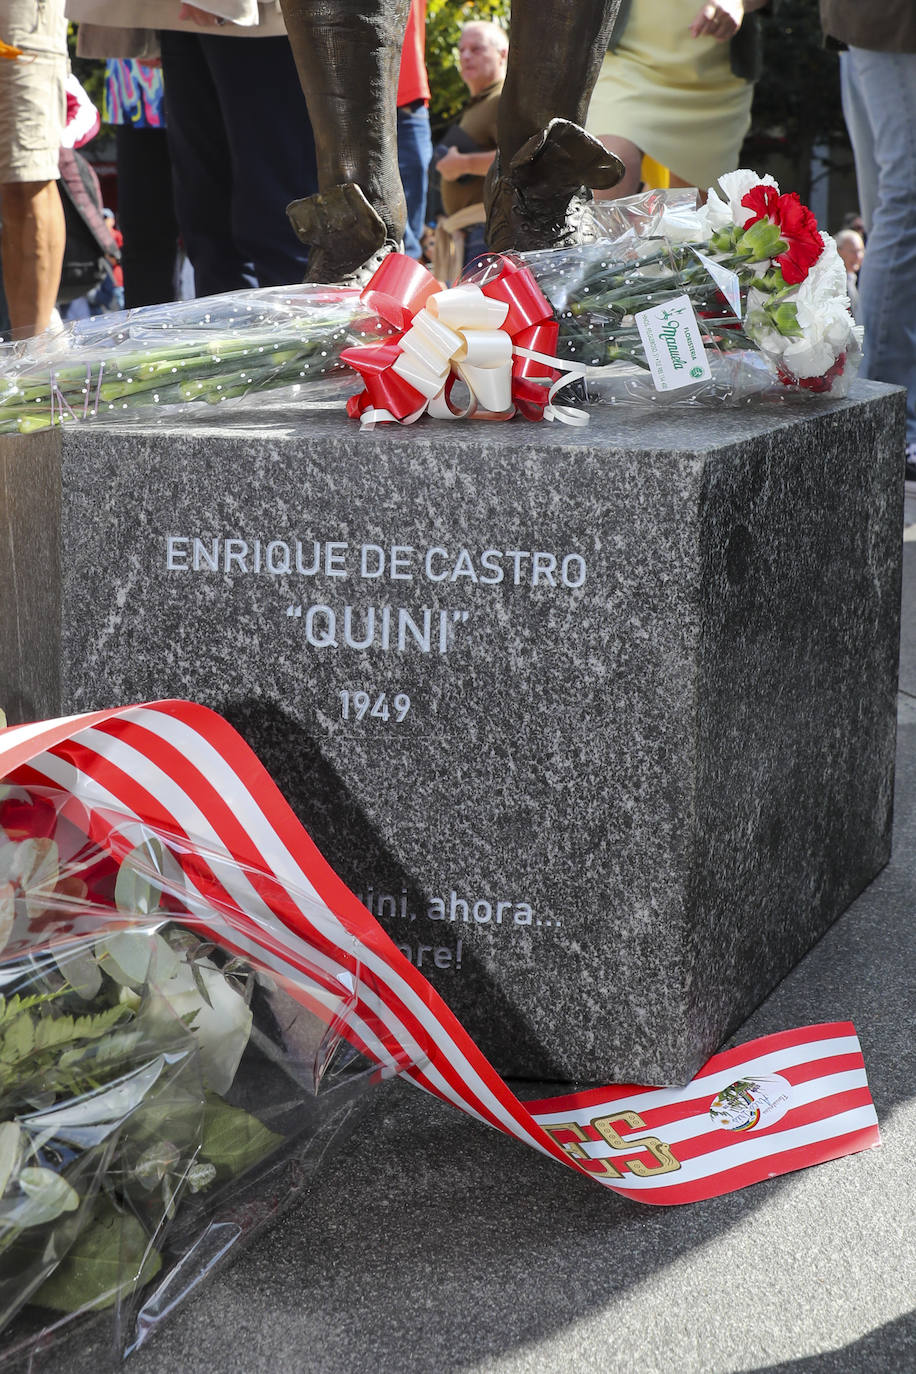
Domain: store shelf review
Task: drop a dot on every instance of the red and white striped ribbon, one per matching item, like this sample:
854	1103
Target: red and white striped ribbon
776	1104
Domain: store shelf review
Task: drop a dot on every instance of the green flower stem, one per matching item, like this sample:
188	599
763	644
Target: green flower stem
168	376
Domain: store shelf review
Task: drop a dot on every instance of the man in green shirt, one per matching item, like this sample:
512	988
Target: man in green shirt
471	142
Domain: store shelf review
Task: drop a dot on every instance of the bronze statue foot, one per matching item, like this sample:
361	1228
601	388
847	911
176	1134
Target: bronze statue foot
541	200
347	237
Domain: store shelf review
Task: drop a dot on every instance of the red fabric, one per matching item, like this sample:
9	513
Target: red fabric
413	83
399	289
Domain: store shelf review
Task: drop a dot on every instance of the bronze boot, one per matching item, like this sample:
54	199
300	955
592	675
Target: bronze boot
348	53
348	238
542	199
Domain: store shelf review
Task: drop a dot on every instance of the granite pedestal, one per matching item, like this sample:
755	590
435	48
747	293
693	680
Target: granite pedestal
599	723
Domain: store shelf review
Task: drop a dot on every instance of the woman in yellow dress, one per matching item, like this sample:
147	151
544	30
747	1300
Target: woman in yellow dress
677	85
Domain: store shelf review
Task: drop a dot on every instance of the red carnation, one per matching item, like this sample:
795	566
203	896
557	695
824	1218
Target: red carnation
796	225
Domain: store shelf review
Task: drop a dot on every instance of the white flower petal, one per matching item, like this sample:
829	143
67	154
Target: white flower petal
736	185
220	1029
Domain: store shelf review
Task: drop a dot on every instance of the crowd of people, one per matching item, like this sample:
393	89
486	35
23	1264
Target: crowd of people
204	161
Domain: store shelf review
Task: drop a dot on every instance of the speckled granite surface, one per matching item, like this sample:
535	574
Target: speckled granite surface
648	754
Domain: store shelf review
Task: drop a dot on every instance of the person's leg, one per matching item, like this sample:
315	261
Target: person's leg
32	251
32	114
415	151
348	54
474	244
887	282
631	157
271	149
146	215
201	166
859	127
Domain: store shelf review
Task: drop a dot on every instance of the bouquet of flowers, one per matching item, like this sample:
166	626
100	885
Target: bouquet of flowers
791	278
741	296
163	1094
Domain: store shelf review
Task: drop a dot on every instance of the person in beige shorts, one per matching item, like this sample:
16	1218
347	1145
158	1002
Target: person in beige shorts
33	108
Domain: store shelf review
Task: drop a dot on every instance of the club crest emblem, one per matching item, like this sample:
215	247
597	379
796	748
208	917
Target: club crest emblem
751	1104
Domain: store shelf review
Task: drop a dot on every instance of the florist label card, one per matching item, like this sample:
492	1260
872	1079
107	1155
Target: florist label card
674	349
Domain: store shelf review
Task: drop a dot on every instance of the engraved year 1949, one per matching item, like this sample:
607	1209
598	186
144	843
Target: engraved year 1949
360	705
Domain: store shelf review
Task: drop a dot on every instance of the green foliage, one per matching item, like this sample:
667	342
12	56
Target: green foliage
112	1256
444	19
33	1041
232	1139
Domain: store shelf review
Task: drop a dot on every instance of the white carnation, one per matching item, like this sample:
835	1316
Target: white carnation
823	316
826	280
680	224
735	185
765	335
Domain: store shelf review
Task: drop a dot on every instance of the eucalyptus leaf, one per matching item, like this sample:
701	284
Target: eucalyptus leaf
36	863
125	956
47	1194
233	1140
81	971
109	1258
7	913
10	1148
8	850
135	893
165	962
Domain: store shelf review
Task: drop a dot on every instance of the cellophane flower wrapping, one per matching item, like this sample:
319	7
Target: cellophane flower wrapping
147	366
764	333
166	1088
766	289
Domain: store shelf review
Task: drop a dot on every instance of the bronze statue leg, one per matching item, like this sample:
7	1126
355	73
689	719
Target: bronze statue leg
348	53
555	56
547	162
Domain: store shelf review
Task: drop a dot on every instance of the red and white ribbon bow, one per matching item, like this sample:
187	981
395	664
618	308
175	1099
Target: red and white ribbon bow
498	336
